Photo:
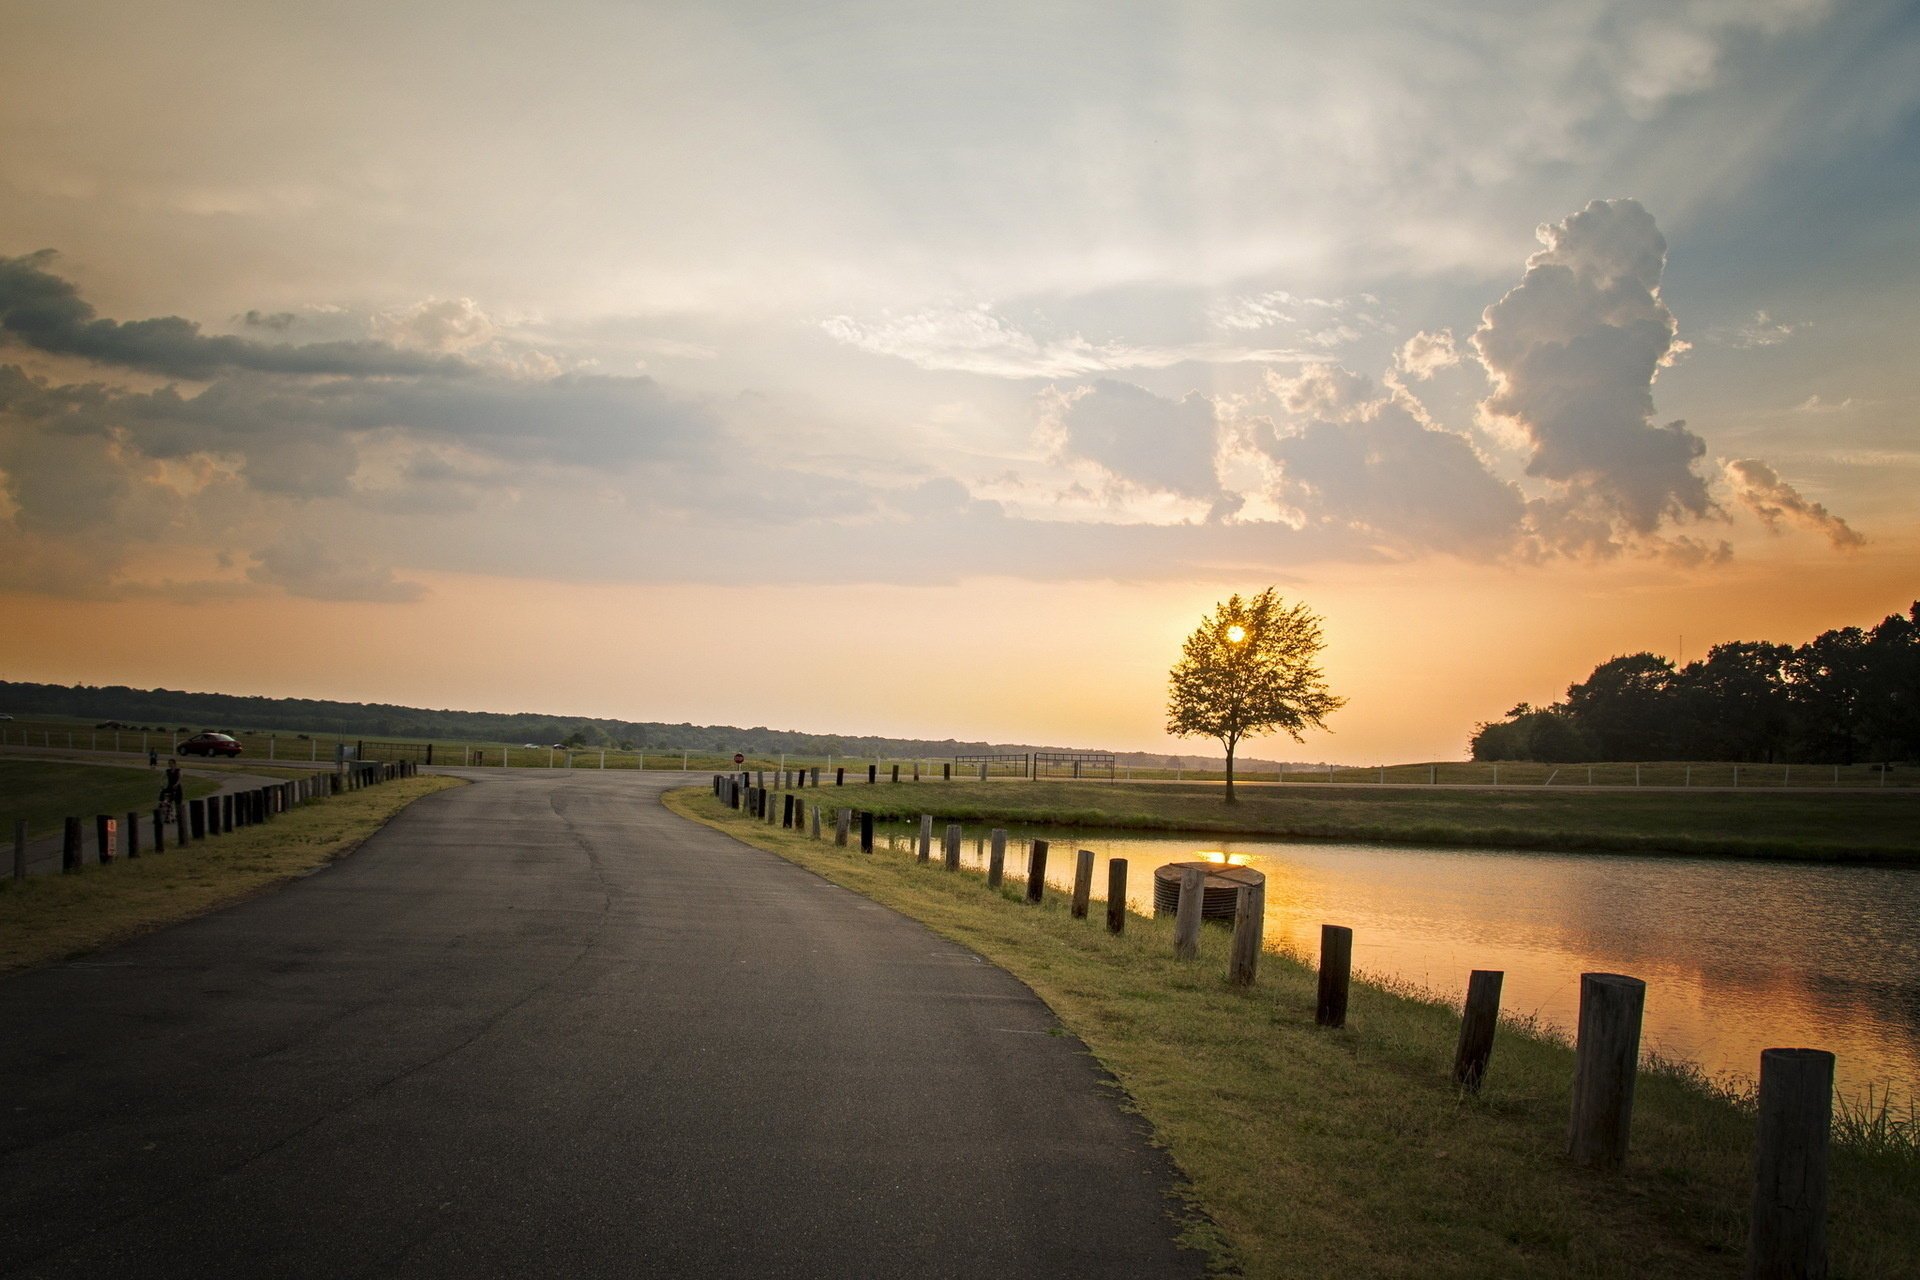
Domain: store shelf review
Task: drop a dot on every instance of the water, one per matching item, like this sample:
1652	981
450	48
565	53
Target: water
1737	956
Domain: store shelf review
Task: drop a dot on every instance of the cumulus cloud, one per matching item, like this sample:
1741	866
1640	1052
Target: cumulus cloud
1365	460
1572	352
1760	490
1425	354
447	325
278	321
1148	440
45	312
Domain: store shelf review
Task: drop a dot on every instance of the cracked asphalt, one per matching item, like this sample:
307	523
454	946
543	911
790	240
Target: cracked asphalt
541	1026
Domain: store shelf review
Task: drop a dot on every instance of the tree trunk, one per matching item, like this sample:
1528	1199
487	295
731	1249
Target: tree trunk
1230	796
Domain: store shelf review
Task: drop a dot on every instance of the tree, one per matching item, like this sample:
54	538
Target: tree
1627	707
1248	670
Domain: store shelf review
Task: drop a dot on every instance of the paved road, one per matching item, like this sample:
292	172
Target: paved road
541	1026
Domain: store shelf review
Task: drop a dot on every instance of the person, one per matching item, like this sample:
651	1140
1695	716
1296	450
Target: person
173	791
153	757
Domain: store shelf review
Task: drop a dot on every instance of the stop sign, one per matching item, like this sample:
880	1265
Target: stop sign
738	758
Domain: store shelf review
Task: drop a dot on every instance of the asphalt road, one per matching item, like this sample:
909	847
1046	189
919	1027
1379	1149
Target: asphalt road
541	1026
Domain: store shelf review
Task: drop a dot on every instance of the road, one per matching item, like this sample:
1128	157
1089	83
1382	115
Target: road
541	1026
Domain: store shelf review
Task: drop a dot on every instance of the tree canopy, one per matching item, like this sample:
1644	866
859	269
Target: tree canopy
1846	695
1250	668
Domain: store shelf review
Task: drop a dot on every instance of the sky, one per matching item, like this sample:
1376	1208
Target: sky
931	370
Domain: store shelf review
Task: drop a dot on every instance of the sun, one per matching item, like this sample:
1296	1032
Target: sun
1236	633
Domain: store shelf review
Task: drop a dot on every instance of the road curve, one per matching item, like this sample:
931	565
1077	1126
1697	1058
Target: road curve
541	1026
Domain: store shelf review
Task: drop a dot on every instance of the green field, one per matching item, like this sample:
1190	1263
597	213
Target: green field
45	792
1349	1152
47	918
1866	826
56	734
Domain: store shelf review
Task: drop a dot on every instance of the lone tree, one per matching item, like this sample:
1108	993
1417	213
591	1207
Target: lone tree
1249	669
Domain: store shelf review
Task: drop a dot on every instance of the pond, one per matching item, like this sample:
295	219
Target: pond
1738	956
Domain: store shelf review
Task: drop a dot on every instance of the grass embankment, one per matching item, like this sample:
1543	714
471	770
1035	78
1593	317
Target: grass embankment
50	917
1870	827
1348	1152
45	792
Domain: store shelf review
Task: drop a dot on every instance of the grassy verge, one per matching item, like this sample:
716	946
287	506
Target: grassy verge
51	917
1870	827
45	792
1348	1152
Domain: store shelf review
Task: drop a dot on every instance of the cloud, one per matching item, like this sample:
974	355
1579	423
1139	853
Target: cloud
976	340
42	311
1761	331
278	321
1761	490
1365	460
446	325
1425	354
1572	352
306	566
1148	440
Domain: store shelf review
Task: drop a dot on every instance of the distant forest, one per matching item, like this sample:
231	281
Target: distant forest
231	712
1843	697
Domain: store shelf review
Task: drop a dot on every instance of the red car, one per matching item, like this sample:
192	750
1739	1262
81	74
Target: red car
209	744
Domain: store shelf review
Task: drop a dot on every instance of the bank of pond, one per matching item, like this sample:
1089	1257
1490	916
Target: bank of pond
1737	956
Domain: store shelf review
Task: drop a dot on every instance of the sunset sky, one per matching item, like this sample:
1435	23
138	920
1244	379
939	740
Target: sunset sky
930	369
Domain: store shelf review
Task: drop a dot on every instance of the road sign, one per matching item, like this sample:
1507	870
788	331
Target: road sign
738	758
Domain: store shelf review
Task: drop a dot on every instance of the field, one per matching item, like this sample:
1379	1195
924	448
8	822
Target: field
47	918
49	734
1349	1152
45	792
1861	825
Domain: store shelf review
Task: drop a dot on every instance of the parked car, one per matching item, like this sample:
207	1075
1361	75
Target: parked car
210	744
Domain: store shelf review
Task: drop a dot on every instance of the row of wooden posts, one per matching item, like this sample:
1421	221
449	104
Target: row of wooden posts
1787	1236
202	818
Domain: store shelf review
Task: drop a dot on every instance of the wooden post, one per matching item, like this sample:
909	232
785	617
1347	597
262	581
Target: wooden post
983	771
226	815
1249	921
1606	1061
873	774
180	840
841	821
19	848
926	837
197	818
1082	883
159	833
839	777
1336	971
1186	918
1116	895
1787	1237
103	834
953	846
70	845
866	831
786	814
946	771
816	820
1477	1023
896	772
133	835
996	857
1037	872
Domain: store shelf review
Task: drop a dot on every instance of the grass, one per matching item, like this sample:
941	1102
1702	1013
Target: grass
1347	1152
1860	827
51	917
46	792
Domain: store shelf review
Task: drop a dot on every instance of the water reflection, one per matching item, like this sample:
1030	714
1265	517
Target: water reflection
1737	956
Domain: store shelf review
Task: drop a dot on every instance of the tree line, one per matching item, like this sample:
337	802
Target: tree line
1845	696
233	712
